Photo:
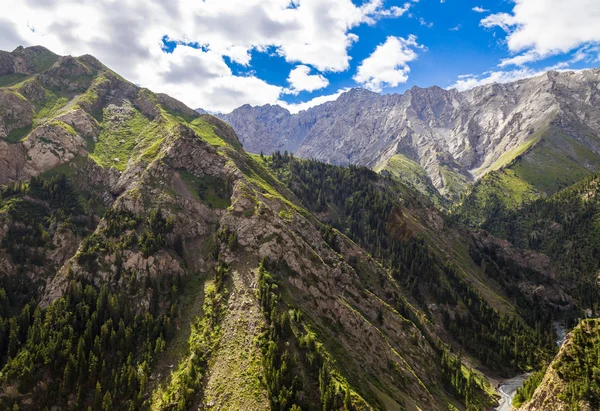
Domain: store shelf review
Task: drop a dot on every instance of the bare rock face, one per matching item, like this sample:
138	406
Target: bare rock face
323	282
82	122
65	245
33	91
15	112
176	105
12	161
445	131
49	146
6	63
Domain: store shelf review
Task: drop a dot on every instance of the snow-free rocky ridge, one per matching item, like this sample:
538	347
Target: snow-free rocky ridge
455	137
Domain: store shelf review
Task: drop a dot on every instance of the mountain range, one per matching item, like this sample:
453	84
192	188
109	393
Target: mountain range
444	138
148	261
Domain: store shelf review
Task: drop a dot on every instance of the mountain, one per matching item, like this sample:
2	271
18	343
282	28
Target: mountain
148	262
445	138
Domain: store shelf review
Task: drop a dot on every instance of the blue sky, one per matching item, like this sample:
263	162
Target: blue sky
448	53
219	54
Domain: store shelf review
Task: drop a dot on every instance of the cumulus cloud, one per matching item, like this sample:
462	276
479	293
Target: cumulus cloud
388	66
543	28
127	36
479	9
300	79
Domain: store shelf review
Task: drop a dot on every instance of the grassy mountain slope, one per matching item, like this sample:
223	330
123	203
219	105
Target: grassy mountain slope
552	161
412	174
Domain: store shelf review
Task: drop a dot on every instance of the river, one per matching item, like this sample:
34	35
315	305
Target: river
508	388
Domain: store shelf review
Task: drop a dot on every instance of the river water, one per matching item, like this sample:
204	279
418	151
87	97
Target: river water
508	388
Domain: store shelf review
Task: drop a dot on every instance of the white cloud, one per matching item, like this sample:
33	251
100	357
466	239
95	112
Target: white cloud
468	81
300	79
543	28
394	11
502	20
520	59
479	9
589	53
388	66
422	22
127	36
296	108
455	28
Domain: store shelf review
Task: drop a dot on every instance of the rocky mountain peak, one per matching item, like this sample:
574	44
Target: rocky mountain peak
26	60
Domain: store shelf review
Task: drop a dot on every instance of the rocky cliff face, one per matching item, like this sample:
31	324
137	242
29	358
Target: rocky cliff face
456	137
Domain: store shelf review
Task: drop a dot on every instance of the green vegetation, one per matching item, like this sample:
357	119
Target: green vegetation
124	230
90	348
455	183
36	212
99	345
52	104
525	392
18	134
552	162
212	191
207	132
9	80
44	60
461	381
508	156
549	170
185	384
578	366
495	192
120	135
411	173
153	238
294	360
